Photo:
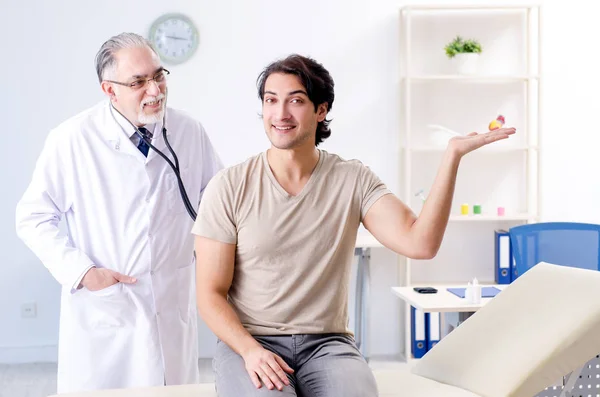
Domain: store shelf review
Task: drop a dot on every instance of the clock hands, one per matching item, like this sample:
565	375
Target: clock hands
176	38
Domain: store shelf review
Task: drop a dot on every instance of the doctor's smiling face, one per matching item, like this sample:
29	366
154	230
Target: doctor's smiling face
136	85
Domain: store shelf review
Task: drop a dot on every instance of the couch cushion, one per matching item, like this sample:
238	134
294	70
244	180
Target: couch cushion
391	383
539	328
200	390
402	383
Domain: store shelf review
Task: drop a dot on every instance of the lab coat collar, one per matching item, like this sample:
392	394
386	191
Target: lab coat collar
118	131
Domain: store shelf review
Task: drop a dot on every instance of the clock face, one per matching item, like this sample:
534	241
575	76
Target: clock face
174	37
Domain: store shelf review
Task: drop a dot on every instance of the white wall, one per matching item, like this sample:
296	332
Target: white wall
48	75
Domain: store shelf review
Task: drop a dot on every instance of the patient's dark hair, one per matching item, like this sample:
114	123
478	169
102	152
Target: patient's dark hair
314	77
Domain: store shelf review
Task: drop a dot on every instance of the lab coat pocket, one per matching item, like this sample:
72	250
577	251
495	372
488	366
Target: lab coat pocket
108	291
173	193
107	308
186	279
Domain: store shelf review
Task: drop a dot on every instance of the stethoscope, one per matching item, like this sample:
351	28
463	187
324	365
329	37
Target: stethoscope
184	197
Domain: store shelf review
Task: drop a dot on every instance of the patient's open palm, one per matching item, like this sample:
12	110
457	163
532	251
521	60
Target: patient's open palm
462	145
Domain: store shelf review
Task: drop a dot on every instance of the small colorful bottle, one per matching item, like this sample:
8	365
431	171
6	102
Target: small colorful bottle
498	123
464	209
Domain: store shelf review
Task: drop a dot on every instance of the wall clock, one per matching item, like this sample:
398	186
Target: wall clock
175	38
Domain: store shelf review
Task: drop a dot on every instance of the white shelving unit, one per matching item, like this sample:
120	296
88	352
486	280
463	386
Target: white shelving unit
505	173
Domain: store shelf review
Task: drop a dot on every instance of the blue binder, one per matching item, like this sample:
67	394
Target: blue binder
513	267
433	327
503	257
419	332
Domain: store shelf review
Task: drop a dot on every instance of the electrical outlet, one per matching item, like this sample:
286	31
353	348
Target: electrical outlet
29	310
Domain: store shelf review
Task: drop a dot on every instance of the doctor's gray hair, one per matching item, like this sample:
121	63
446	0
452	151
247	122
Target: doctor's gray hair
105	58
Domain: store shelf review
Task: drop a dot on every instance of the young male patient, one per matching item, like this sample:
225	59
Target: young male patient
275	239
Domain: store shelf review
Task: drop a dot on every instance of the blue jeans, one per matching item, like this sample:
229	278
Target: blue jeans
327	365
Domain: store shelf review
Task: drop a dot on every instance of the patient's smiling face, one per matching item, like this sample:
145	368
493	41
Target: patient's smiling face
289	116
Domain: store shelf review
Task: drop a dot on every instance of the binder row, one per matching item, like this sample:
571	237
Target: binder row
425	331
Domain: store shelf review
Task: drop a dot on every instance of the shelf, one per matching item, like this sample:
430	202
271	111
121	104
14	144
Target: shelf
491	218
433	92
472	78
469	7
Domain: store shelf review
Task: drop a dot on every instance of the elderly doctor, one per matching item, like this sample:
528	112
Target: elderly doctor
126	263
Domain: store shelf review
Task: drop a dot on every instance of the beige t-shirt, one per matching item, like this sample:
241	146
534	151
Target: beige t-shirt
294	253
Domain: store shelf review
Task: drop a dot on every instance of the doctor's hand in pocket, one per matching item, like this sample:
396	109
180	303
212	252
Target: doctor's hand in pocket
97	279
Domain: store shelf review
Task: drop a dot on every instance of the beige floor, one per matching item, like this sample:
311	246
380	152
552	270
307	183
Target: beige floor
39	380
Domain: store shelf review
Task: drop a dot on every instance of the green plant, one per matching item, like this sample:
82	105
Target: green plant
461	46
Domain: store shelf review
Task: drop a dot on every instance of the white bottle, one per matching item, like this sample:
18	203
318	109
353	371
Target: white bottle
476	292
469	293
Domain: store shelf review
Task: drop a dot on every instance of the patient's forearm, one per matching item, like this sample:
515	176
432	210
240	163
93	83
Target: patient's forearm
433	219
224	322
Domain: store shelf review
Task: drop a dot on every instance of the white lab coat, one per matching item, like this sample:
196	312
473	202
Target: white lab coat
123	212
